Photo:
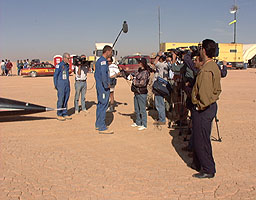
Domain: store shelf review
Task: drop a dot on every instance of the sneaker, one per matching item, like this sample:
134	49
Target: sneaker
76	112
61	118
141	128
67	117
134	125
106	132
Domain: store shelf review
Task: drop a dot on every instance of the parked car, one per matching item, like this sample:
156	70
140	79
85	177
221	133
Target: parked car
39	69
130	64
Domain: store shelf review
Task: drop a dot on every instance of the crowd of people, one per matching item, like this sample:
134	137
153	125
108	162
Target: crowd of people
183	89
7	66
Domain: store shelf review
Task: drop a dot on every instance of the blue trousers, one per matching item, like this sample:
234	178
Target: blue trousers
140	102
63	96
102	106
81	87
202	126
160	107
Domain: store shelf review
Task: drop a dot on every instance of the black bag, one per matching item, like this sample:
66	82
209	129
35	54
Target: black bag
134	89
112	81
162	87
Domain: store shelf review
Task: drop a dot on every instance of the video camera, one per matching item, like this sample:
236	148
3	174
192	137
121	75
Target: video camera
79	60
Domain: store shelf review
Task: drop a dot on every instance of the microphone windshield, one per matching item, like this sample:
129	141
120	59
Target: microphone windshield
125	27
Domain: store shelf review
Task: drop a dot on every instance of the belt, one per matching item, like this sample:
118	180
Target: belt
81	80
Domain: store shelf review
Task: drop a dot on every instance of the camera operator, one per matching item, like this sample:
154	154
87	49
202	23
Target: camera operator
152	70
162	72
81	69
182	77
205	93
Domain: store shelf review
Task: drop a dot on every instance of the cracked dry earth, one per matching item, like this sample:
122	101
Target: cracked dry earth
42	158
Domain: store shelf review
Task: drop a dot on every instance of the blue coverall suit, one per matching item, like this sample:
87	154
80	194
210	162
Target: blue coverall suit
102	79
62	84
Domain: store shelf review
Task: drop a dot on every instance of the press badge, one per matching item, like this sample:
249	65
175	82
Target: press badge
103	62
64	75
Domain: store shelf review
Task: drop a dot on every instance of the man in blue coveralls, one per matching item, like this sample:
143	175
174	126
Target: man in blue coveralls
102	79
62	85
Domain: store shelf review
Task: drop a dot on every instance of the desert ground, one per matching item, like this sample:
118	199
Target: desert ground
42	158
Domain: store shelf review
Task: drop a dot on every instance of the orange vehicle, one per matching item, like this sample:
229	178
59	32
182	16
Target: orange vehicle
40	69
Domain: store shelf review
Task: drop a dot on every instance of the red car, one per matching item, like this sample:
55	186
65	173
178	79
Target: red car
40	69
130	64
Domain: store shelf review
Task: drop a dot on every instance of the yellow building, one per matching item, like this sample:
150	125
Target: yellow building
232	53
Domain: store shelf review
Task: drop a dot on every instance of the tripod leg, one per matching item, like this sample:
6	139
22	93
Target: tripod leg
216	120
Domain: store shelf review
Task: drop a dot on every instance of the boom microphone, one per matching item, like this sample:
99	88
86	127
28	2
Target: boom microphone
125	27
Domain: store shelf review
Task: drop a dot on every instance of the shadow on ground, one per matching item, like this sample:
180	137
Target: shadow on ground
109	118
23	118
178	143
131	115
154	114
88	105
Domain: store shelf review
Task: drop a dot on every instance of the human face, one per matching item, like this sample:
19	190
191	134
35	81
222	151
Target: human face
109	53
141	65
66	59
109	61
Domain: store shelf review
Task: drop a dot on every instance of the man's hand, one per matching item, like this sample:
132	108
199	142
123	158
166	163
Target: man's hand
224	62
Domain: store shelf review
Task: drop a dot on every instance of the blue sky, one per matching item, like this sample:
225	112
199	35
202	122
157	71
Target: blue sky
44	28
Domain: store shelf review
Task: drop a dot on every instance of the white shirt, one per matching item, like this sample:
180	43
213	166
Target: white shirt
113	69
83	76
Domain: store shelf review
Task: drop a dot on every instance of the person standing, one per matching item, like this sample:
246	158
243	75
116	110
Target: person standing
139	87
205	93
152	70
3	67
8	68
62	85
162	72
113	73
81	71
102	79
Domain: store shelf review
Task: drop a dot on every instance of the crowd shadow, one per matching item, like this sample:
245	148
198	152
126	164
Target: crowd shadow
88	105
178	143
23	118
131	115
109	118
153	114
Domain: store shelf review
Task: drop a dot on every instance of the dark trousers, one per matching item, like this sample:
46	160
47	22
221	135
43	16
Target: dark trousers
201	126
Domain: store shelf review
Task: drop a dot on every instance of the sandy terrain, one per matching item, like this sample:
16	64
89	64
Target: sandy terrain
42	158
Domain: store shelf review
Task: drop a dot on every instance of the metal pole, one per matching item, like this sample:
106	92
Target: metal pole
235	27
159	34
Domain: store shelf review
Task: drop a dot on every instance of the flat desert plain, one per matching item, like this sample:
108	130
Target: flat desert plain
42	158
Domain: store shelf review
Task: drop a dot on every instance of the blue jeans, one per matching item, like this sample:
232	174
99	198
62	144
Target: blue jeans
103	97
140	102
63	96
160	107
81	87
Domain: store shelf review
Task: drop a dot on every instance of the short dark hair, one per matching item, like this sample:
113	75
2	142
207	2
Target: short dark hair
107	48
210	47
